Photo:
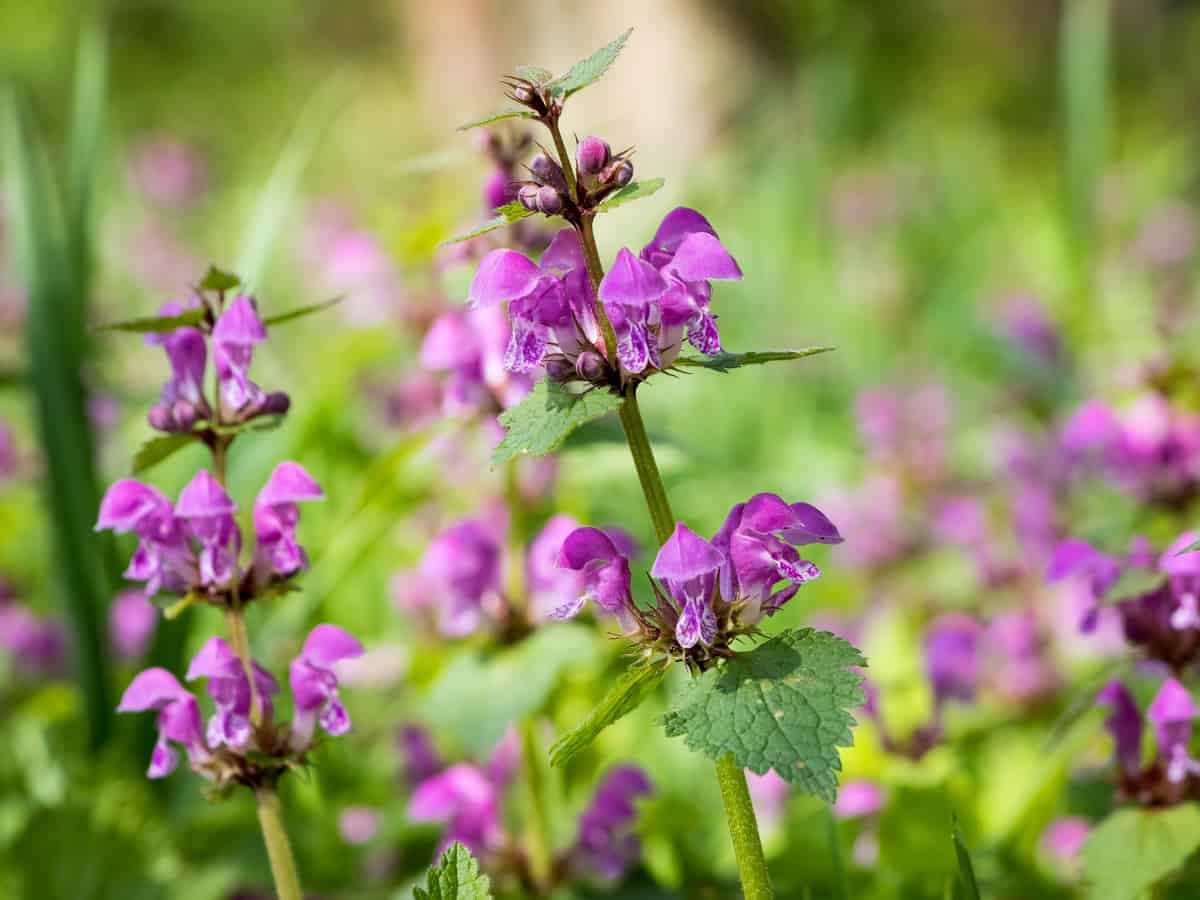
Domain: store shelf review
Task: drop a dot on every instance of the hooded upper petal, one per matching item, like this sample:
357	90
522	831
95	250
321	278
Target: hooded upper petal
289	483
685	556
204	498
127	502
503	275
327	644
700	257
631	281
239	325
151	689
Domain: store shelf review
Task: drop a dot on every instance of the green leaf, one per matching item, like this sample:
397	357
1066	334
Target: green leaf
455	877
782	706
505	215
1190	548
157	449
626	694
587	70
1134	849
498	117
541	422
216	280
723	362
1132	584
536	74
156	324
301	311
258	423
965	887
635	190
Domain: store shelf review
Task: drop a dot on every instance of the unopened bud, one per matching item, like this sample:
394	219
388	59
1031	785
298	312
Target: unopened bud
590	366
275	403
592	155
523	94
617	174
160	418
184	414
559	369
547	171
549	201
527	196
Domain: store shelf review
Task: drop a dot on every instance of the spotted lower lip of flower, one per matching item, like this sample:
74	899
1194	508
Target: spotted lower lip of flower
234	336
1171	714
230	690
208	510
315	686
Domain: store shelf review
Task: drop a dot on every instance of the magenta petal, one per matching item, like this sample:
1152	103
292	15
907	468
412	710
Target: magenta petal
564	253
583	545
503	275
697	624
239	325
327	644
1175	562
858	798
450	343
677	225
151	689
1069	557
812	527
701	257
216	659
1173	703
204	498
685	556
631	281
127	502
1124	723
289	483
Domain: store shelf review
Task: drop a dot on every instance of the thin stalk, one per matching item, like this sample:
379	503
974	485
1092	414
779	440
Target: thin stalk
538	828
279	851
739	813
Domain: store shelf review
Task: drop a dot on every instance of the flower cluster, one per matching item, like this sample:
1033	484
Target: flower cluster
708	592
194	546
460	581
1160	612
468	801
242	743
1172	776
650	301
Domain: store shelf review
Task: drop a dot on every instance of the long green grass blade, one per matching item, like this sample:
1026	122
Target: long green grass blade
1084	86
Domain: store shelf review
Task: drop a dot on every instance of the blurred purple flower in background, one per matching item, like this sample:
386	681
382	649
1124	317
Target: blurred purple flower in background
606	845
131	623
168	172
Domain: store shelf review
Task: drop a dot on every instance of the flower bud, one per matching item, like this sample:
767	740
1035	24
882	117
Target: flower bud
527	196
523	94
559	369
618	173
592	155
184	414
547	171
275	403
549	201
590	366
160	418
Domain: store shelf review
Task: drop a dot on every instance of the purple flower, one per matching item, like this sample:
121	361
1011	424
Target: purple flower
182	401
420	756
164	557
1023	670
178	718
953	657
234	336
131	623
604	576
358	824
769	795
857	799
461	572
208	511
315	686
168	172
230	690
1124	723
470	347
1101	571
1171	714
466	800
36	644
687	564
606	844
1064	838
276	515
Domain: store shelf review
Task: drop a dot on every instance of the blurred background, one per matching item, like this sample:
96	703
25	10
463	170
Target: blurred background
988	209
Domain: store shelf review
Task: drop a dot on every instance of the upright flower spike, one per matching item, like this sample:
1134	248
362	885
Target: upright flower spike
1171	714
275	517
687	564
209	510
315	686
607	845
178	718
235	335
230	690
604	571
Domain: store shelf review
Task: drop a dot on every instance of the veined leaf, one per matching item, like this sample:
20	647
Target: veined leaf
155	450
626	694
499	116
1134	849
635	190
542	421
782	706
156	324
455	877
587	70
723	362
505	215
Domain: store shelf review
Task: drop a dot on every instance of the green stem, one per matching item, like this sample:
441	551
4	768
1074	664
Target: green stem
739	813
279	851
538	830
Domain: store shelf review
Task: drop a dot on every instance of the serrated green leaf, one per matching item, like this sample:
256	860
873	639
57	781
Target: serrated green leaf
536	74
505	215
965	886
498	117
1134	849
301	311
455	877
782	706
1132	584
723	362
626	694
217	280
635	190
587	70
157	449
156	324
541	422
